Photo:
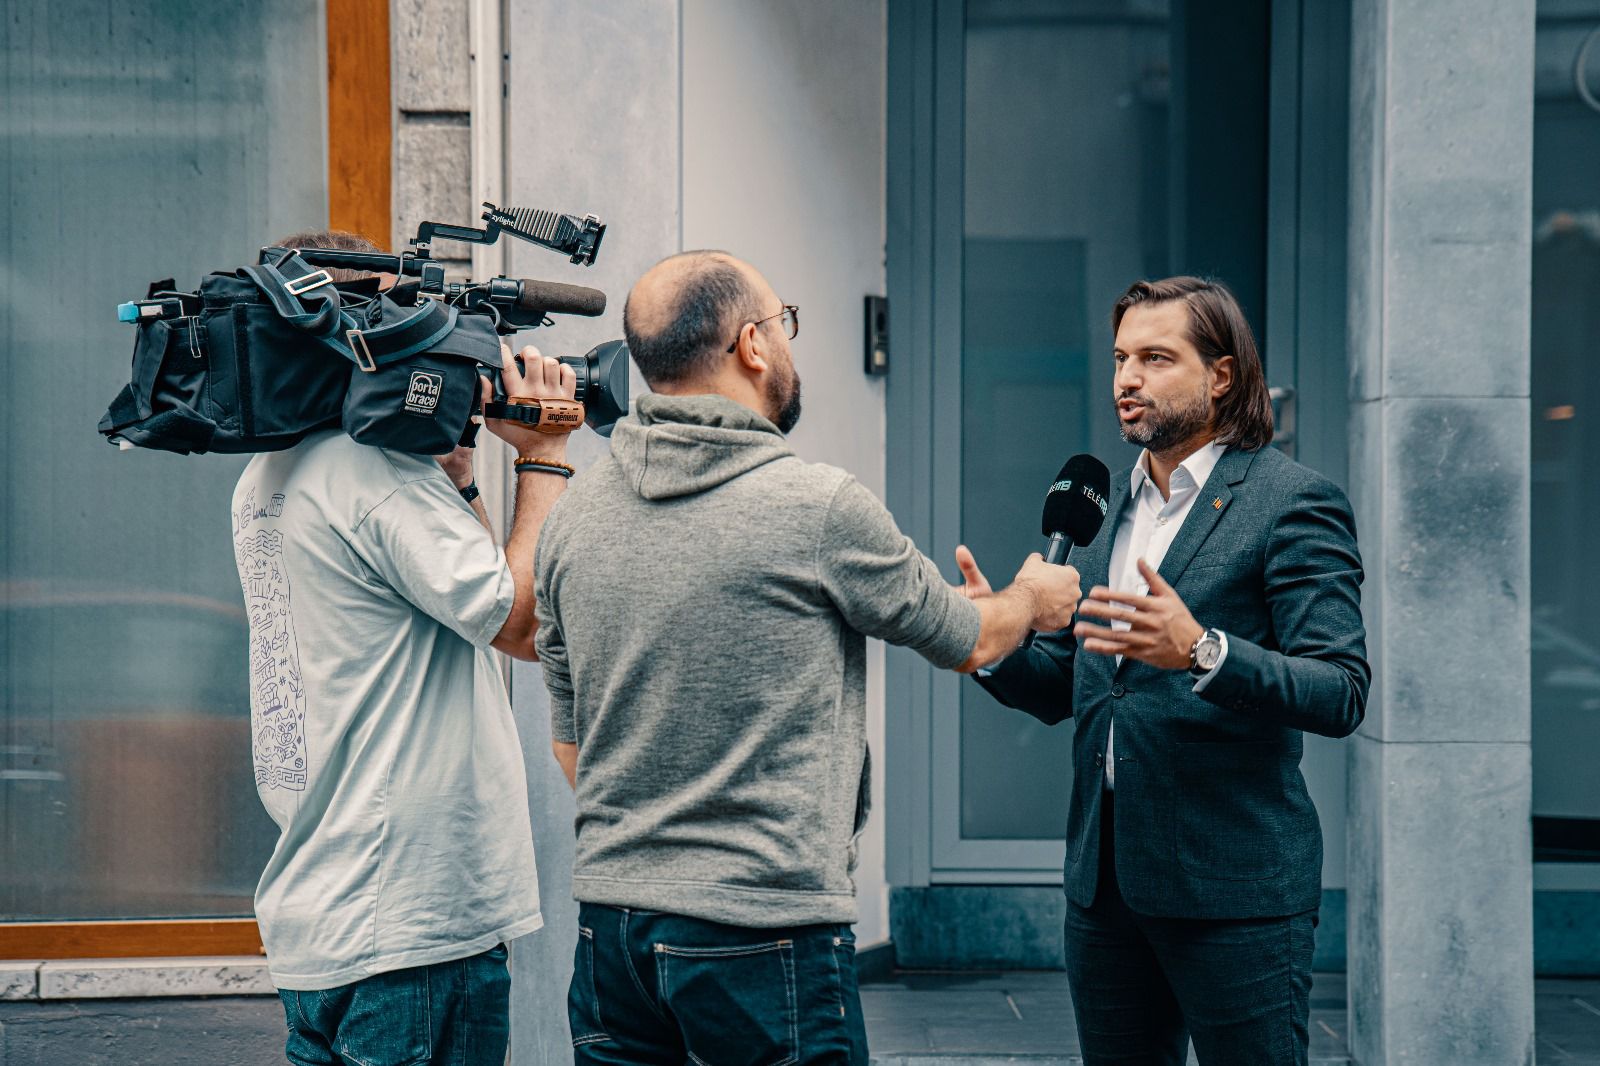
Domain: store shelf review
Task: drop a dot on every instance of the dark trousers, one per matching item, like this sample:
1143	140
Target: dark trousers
661	988
449	1014
1143	987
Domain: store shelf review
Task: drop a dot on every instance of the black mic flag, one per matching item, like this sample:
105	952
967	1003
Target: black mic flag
1074	509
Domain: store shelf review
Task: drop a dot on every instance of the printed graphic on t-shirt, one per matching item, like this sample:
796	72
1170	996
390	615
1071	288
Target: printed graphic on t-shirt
277	692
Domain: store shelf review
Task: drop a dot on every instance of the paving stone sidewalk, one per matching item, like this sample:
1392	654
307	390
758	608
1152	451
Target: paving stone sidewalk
940	1019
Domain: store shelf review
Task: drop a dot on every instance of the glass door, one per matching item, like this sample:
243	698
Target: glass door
1090	144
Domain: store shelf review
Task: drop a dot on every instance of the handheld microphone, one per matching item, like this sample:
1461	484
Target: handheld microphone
1074	509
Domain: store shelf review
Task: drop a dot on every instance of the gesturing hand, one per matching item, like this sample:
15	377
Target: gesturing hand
1160	628
974	585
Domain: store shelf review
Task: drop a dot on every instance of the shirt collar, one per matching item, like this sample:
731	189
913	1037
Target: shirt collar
1198	466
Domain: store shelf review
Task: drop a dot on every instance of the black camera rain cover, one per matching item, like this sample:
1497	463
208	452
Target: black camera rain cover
235	377
421	403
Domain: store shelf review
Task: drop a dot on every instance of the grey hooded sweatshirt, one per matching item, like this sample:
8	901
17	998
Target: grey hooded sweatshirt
704	603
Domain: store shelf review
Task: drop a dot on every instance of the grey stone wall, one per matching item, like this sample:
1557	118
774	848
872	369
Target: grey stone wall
1440	870
431	77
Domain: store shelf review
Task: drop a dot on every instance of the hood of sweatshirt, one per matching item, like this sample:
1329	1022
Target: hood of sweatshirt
681	445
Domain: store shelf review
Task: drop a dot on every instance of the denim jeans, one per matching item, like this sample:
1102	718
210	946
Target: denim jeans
453	1013
661	988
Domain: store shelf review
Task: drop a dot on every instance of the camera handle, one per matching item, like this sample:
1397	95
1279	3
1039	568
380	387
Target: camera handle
553	417
544	416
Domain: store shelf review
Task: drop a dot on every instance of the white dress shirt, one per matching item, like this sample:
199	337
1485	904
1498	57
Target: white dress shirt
1146	531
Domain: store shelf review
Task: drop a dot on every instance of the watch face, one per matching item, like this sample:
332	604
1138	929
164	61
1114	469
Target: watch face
1208	652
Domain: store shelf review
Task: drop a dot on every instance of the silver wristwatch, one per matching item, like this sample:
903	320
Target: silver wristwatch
1205	652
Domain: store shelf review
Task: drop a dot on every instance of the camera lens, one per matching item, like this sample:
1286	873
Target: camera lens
583	369
603	385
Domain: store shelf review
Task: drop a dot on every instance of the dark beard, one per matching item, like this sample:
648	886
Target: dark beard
1164	427
784	398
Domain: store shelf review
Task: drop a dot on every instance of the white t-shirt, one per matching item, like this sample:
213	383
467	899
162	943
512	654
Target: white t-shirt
383	739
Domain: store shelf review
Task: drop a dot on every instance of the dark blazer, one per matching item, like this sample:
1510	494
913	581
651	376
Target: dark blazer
1212	816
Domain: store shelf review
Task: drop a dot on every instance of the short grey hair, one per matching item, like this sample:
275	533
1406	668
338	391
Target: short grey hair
715	299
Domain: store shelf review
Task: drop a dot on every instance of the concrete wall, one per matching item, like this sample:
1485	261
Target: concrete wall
783	165
596	130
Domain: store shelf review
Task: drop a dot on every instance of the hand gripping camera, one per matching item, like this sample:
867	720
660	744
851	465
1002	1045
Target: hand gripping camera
265	354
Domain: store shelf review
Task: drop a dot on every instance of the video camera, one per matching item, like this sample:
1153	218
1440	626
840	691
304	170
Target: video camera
230	369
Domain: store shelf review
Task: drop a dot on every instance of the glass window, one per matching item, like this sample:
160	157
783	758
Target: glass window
1566	432
142	140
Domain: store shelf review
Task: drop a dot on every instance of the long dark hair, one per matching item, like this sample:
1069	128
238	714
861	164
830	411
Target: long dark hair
1217	327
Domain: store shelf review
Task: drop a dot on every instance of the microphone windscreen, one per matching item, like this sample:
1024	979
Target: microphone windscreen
560	299
1076	502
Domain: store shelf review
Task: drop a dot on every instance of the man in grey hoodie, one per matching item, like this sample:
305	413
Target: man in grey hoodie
704	600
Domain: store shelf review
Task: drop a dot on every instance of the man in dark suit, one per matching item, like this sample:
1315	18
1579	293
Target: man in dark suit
1224	623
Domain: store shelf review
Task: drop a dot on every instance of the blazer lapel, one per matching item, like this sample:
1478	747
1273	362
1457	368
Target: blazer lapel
1208	508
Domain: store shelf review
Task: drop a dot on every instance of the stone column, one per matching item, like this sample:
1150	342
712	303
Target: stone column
433	124
593	126
1440	868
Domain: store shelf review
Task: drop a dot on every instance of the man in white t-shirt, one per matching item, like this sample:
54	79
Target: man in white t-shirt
383	739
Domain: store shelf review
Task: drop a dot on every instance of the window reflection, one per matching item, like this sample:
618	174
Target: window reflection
140	140
1565	437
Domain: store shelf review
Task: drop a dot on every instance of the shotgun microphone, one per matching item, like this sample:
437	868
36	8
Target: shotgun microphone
558	298
1074	509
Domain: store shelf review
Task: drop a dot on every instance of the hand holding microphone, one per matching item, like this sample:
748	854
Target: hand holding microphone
1054	590
1044	594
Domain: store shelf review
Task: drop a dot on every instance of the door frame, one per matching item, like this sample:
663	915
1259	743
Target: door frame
1306	277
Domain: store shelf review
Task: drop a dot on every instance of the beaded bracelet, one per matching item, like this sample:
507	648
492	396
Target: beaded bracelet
532	464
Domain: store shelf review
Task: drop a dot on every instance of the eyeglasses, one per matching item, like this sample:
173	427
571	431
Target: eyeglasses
791	323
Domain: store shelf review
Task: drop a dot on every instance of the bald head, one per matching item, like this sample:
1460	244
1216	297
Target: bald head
682	314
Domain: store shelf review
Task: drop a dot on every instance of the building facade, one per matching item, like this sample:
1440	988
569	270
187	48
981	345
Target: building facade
1400	191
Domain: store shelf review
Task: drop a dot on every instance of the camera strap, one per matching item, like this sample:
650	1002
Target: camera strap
407	331
303	297
307	300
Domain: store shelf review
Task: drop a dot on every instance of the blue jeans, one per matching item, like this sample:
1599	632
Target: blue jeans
662	988
453	1013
